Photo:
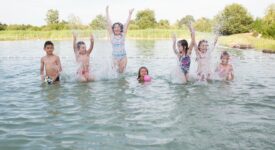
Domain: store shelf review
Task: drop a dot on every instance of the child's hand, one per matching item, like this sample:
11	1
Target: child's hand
92	38
107	8
131	11
189	25
174	37
74	35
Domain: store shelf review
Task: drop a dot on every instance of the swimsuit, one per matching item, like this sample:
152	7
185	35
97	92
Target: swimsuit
118	45
185	64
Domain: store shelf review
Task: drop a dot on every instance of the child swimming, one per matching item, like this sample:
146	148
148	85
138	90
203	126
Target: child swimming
143	75
183	52
117	33
224	69
82	56
203	54
51	63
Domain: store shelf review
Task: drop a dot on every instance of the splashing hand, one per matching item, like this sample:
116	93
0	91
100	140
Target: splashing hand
107	8
174	37
74	35
131	11
189	25
92	38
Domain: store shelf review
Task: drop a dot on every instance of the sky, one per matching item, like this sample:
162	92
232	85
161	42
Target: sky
34	11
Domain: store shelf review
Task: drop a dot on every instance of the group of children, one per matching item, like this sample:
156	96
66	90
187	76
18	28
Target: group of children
203	56
117	33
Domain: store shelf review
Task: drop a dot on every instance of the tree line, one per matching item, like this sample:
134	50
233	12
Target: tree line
233	19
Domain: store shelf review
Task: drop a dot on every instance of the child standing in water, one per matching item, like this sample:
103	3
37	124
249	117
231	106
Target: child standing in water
82	56
225	70
143	75
183	52
117	33
51	63
203	53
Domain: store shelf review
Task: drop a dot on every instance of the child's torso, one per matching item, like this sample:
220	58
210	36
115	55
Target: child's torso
51	66
118	43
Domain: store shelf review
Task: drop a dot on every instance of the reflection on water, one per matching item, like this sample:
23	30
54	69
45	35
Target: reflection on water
120	113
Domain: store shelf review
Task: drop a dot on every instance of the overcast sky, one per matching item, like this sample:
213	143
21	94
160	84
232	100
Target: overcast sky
34	11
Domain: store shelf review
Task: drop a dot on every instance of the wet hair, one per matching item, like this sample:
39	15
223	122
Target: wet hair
140	70
119	24
184	44
79	43
200	42
48	43
224	53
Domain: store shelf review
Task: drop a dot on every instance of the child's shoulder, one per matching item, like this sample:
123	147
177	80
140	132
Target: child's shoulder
56	56
43	58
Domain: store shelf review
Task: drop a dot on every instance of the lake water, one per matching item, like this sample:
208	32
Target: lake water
119	113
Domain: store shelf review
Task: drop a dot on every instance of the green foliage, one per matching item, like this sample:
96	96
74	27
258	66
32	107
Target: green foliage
266	25
185	20
52	17
19	27
203	25
133	25
234	19
99	22
163	24
3	26
74	23
269	17
145	19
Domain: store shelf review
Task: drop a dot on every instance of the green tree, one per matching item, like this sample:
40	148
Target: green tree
98	23
163	24
269	17
75	22
185	20
133	25
52	17
268	28
3	26
145	19
234	19
203	25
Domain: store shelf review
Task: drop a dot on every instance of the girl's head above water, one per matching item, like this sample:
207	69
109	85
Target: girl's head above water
81	47
203	45
117	28
182	47
143	74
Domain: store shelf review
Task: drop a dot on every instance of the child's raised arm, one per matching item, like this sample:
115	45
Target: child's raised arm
74	42
193	41
109	22
126	25
174	44
42	69
91	45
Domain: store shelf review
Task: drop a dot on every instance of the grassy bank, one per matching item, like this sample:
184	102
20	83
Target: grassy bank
258	43
67	34
248	39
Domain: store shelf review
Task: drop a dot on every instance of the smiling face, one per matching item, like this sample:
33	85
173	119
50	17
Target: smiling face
224	59
203	47
49	49
82	49
143	72
117	29
181	49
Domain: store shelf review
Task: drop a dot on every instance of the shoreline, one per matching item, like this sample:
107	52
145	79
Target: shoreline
149	34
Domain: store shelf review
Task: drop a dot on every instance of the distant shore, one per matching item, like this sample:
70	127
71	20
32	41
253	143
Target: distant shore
151	34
